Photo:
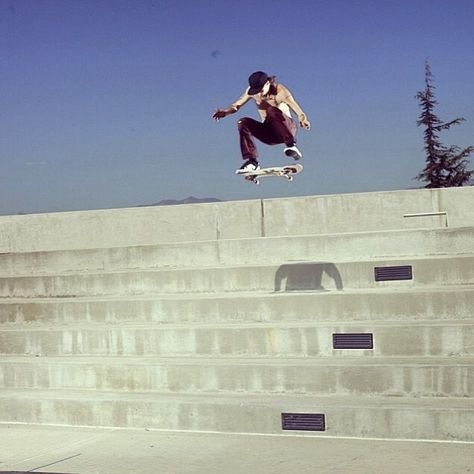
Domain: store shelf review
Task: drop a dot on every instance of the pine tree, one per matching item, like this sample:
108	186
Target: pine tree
445	166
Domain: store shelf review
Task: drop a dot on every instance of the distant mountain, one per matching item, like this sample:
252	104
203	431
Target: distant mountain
188	200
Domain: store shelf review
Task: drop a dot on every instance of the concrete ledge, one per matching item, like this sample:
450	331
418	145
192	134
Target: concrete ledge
403	338
448	207
303	276
271	250
238	219
374	417
133	226
386	376
436	303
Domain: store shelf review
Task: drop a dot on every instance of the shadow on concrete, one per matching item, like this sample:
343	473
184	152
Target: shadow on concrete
306	276
35	470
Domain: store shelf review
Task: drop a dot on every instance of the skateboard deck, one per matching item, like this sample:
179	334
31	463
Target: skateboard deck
287	172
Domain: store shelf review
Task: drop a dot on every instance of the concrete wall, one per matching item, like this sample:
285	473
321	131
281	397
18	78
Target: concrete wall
237	220
370	211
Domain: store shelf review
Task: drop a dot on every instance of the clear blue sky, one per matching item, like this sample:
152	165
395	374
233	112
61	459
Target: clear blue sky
107	103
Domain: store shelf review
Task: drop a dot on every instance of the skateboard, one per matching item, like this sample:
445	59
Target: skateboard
283	171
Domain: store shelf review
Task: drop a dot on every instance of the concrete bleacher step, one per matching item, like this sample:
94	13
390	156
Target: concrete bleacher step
390	338
410	304
248	251
376	376
301	276
223	317
344	416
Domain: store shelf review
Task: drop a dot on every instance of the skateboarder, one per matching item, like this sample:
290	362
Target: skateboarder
273	102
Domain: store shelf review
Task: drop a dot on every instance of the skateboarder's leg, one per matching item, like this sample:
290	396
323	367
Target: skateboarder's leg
276	129
283	129
265	132
249	128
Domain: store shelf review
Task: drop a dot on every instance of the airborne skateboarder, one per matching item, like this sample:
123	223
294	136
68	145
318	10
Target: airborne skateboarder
273	102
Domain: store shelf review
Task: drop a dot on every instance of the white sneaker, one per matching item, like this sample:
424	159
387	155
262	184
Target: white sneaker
293	152
249	165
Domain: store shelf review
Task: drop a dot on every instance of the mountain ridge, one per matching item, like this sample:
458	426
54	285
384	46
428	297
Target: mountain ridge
188	200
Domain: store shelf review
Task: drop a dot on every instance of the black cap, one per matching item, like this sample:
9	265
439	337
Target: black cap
256	81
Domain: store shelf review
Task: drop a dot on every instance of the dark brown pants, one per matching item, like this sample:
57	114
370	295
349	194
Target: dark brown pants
277	128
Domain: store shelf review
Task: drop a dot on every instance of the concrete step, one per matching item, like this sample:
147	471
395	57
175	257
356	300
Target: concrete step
413	377
403	338
434	303
303	276
329	248
363	417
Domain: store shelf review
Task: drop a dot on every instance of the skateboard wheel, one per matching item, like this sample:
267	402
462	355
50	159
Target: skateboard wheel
289	178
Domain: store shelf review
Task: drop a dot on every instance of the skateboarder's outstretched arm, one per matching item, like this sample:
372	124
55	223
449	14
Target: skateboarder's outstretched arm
291	102
234	107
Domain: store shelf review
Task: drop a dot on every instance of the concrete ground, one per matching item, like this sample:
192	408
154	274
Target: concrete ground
44	449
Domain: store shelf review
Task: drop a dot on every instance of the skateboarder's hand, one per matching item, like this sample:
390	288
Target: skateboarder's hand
304	123
218	114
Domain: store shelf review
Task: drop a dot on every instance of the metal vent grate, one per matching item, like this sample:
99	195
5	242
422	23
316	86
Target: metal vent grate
402	272
303	421
353	341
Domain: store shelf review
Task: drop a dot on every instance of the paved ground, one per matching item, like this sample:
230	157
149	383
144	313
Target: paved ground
110	451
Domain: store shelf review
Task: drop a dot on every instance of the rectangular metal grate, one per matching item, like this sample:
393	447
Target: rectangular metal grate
303	421
353	341
402	272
